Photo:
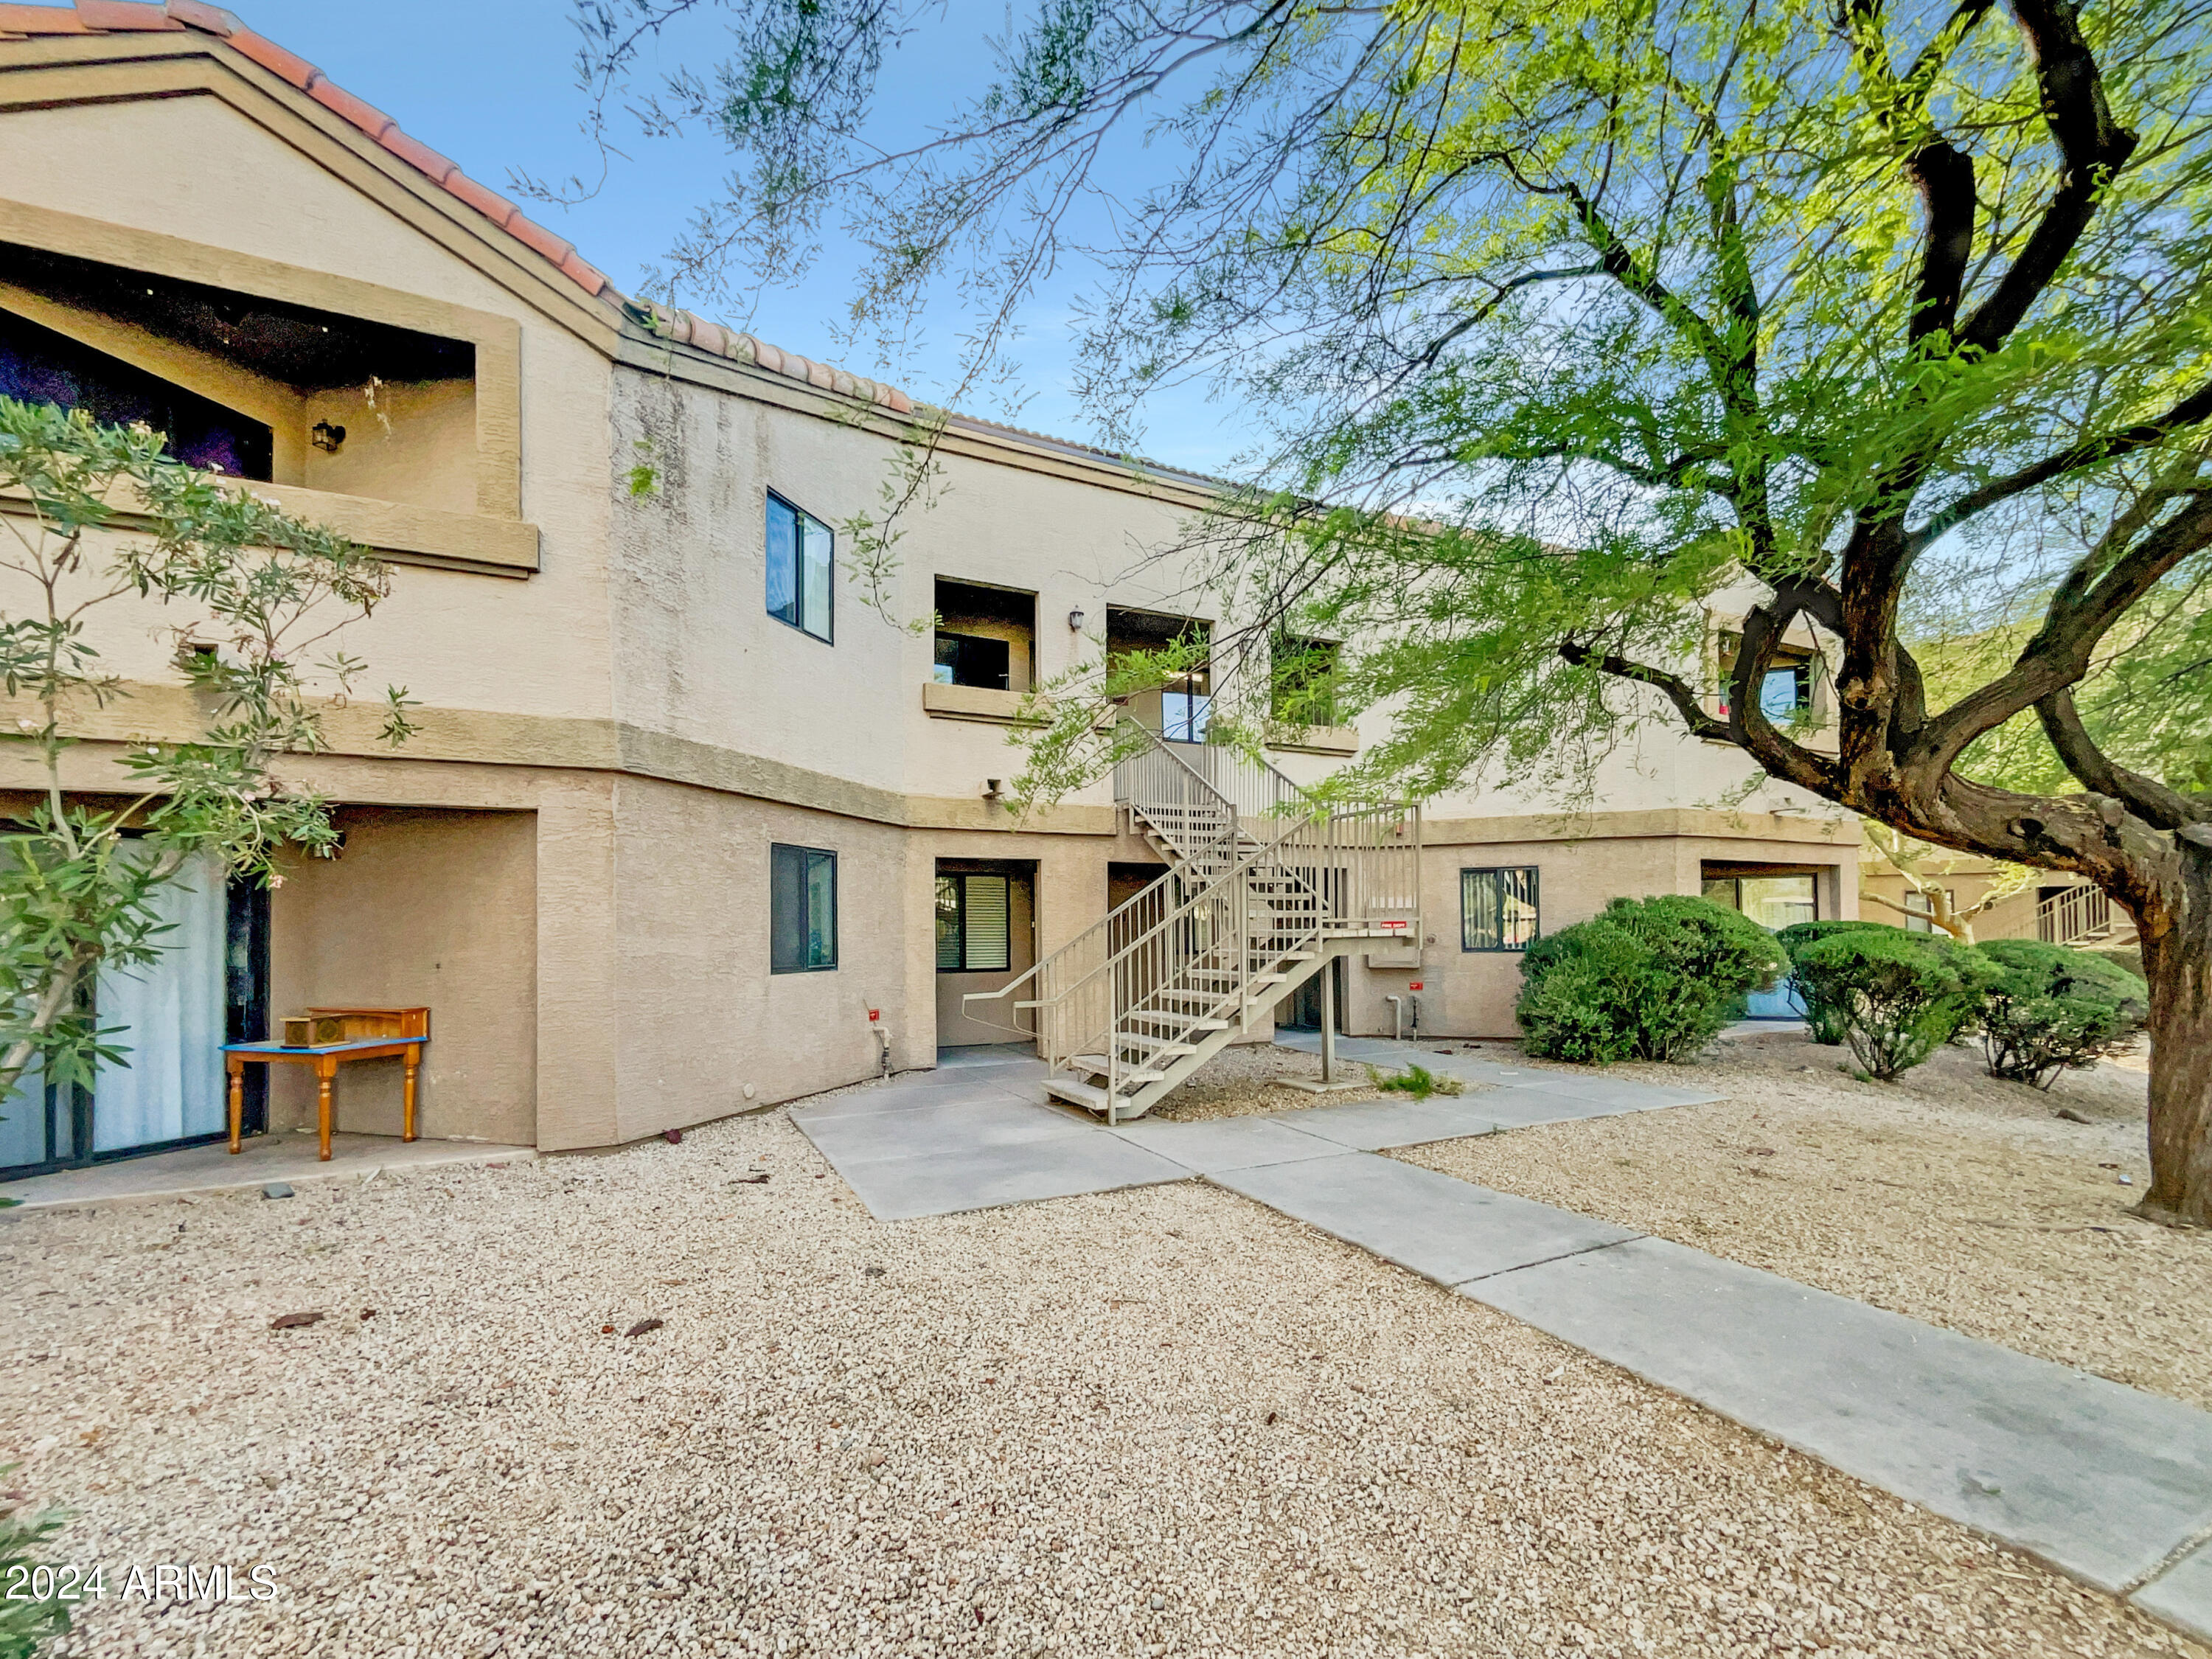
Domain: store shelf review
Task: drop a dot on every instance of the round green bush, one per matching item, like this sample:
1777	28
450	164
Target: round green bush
1644	979
2053	1008
1823	1022
1899	997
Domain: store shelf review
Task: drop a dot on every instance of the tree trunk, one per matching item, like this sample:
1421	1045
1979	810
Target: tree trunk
55	998
2177	950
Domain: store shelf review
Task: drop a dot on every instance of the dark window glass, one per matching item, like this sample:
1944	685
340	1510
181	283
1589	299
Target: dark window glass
802	909
971	659
1498	909
38	366
975	932
798	569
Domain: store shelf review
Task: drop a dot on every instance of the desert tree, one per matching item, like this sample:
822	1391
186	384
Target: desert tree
94	518
1568	323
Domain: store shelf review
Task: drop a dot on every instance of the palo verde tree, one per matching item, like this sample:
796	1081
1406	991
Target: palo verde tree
1576	321
92	518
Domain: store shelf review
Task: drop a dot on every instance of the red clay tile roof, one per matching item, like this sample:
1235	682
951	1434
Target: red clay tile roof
144	17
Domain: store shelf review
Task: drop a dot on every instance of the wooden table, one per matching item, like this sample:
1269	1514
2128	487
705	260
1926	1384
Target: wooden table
327	1060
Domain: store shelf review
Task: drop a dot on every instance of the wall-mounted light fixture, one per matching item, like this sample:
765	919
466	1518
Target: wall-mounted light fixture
325	437
1075	620
991	789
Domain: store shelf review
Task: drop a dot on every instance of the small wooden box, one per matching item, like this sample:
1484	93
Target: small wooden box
310	1031
324	1028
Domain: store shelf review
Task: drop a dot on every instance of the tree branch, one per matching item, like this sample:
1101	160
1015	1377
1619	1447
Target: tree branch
2190	410
2147	798
1677	690
2093	146
1945	178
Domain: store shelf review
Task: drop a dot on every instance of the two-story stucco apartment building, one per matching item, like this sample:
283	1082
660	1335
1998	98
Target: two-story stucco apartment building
687	828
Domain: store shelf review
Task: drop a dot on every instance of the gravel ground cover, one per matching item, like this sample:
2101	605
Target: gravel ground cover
1950	1196
1153	1422
1248	1080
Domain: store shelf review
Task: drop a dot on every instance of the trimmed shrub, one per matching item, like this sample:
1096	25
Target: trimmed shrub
1899	996
2052	1009
1644	979
1824	1022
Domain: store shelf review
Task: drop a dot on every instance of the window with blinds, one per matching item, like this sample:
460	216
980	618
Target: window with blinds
1498	909
975	924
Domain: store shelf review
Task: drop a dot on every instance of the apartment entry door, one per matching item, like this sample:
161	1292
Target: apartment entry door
172	1015
1773	896
986	938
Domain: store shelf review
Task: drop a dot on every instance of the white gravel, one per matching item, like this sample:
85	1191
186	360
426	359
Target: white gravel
1162	1421
1249	1079
1950	1195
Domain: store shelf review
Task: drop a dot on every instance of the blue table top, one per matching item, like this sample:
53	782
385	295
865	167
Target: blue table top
324	1048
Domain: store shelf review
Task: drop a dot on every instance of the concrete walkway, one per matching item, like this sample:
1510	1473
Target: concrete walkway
193	1171
2109	1484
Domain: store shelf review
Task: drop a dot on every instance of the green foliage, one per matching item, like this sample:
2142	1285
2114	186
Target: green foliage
1418	1081
2051	1009
1899	996
1644	979
1567	316
25	1624
105	518
1826	1023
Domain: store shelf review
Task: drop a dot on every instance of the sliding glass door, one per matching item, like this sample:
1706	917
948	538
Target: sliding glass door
171	1017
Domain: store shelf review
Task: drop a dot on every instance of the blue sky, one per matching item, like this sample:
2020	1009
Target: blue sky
490	83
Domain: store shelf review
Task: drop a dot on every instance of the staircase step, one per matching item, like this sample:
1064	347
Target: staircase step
1086	1095
1178	1024
1151	1048
1130	1077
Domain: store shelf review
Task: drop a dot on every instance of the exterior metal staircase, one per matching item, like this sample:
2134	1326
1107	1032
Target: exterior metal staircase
2085	918
1263	888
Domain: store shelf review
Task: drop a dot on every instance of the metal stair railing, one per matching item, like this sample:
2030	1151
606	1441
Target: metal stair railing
2079	915
1235	922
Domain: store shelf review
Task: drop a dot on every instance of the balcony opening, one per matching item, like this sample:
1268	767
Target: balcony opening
1786	690
986	636
1179	704
257	388
1303	692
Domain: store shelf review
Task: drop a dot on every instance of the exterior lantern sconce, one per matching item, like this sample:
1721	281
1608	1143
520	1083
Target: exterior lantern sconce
325	437
1075	620
991	789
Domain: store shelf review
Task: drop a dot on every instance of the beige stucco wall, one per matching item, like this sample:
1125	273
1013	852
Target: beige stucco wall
422	909
1472	992
465	641
610	745
702	658
700	1016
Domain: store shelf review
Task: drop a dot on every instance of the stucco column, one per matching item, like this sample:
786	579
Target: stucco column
578	996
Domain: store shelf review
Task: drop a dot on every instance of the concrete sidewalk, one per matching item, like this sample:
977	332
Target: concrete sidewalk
197	1171
2109	1484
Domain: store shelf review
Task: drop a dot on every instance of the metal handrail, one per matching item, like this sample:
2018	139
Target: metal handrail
1250	905
2079	913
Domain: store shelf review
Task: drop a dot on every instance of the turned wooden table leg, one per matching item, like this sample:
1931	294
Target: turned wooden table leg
407	1110
237	1069
324	1071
